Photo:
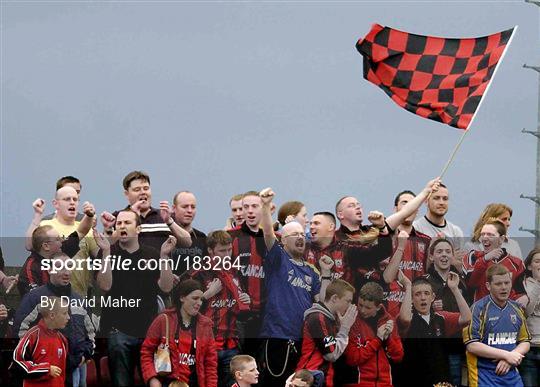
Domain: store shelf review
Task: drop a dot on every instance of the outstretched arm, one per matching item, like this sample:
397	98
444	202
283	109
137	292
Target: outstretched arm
396	219
39	206
267	195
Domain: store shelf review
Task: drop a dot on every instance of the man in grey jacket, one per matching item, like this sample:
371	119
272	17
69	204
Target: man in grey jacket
326	329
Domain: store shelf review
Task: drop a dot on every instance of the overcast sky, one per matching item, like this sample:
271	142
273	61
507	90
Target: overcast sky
220	98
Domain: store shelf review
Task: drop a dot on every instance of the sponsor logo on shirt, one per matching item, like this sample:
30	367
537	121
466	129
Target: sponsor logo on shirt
409	265
329	341
252	271
502	338
224	303
299	283
186	359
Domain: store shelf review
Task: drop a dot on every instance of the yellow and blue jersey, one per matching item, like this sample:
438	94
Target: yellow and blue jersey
502	328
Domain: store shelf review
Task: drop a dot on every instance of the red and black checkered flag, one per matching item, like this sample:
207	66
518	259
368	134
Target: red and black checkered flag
437	78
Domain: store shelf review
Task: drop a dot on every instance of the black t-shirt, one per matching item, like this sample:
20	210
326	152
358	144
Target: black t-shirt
197	249
135	284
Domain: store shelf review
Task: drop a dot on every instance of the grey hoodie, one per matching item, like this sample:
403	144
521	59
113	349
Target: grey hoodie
342	337
532	287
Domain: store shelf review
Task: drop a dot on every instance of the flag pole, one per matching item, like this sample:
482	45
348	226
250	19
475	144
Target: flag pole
458	145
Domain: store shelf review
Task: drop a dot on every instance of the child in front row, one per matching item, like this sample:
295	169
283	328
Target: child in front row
244	371
41	353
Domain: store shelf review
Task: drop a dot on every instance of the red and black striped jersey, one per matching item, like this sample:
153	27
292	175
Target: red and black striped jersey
250	248
319	332
223	308
335	250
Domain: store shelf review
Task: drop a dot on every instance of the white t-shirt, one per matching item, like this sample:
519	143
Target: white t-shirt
449	230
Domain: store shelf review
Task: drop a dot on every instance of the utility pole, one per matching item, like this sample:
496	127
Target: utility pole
536	198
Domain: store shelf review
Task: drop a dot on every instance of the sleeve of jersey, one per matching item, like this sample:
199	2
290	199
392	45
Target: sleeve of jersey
273	256
523	334
472	332
394	347
322	337
451	322
149	346
478	274
30	276
22	357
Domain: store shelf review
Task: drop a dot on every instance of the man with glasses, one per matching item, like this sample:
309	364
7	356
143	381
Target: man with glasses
293	285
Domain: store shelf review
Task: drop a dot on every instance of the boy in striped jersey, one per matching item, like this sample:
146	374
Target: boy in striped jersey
41	353
497	338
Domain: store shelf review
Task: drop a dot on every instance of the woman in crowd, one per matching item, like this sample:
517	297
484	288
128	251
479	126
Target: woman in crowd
501	212
292	211
191	342
530	367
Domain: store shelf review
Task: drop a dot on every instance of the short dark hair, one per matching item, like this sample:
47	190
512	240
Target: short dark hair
39	236
398	196
304	375
372	291
218	237
339	202
135	175
328	215
137	216
175	197
66	180
421	281
436	242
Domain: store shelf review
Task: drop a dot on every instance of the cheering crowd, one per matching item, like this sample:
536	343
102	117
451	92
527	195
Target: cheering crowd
334	299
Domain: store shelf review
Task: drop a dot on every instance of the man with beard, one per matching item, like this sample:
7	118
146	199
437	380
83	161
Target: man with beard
292	285
184	211
434	223
156	224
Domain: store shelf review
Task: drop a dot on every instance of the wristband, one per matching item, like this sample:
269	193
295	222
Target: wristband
326	277
170	224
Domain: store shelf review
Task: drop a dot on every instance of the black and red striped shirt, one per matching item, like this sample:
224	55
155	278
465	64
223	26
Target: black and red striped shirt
223	308
250	247
319	339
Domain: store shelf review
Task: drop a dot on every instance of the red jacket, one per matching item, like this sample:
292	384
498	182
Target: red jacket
38	350
367	352
478	279
205	355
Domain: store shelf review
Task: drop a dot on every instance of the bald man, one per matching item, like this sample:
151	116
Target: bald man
66	204
293	285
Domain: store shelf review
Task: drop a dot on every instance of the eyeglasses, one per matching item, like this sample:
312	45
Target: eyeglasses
295	235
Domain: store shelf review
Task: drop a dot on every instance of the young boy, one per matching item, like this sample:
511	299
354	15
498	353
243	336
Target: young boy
373	339
497	338
424	331
244	371
41	352
301	378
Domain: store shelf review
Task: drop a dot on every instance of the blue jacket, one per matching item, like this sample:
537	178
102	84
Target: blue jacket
79	331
